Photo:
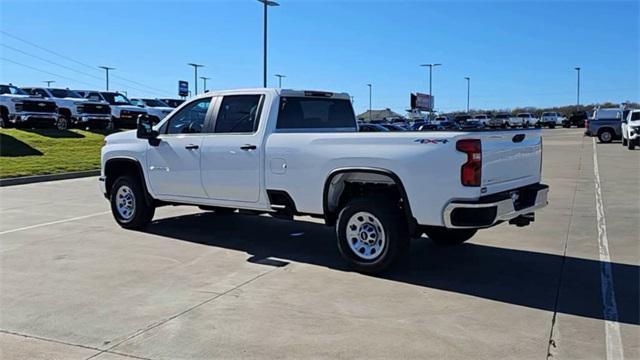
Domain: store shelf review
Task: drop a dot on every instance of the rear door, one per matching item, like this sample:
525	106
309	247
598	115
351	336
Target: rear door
510	159
232	149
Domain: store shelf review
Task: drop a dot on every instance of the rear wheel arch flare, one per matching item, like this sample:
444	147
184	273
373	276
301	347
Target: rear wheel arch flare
336	181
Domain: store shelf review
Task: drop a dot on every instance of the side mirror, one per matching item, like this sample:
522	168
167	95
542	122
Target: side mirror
145	130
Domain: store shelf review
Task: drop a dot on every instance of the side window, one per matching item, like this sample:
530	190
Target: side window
189	120
238	114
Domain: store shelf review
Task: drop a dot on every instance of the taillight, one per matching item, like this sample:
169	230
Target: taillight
471	171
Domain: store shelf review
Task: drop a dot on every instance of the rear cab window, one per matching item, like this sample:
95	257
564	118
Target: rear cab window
306	113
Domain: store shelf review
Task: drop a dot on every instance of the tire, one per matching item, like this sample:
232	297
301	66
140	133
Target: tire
605	136
129	203
449	237
4	120
624	141
632	144
371	234
62	123
552	126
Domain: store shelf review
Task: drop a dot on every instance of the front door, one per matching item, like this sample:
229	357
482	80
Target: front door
231	153
174	165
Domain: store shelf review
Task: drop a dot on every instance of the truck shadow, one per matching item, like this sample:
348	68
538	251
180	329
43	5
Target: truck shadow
518	277
54	133
12	147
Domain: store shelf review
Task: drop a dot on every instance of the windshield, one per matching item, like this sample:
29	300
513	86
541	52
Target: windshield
154	103
116	99
8	89
548	114
523	115
503	116
64	93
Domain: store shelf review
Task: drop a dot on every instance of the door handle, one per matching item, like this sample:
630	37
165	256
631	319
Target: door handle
192	147
247	147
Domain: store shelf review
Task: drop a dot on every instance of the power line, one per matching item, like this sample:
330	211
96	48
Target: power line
157	90
44	71
51	62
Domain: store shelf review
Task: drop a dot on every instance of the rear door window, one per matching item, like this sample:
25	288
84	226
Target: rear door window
238	114
315	113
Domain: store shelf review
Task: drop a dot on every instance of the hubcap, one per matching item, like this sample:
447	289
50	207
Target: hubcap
62	124
606	136
125	202
365	235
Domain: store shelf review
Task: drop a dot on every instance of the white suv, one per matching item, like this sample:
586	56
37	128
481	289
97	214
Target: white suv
631	130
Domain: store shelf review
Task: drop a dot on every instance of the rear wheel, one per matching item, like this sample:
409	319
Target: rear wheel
632	144
129	203
449	237
624	141
605	136
371	234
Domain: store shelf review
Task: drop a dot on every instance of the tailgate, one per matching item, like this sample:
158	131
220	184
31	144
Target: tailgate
510	159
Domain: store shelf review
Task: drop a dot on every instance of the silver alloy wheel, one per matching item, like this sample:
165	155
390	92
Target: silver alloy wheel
605	136
125	202
61	124
365	235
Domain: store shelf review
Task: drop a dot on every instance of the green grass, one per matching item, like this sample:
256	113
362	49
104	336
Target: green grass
26	152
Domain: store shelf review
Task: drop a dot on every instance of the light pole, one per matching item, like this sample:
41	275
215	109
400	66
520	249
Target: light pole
279	76
370	115
577	68
106	68
195	83
49	82
204	79
431	66
266	3
468	91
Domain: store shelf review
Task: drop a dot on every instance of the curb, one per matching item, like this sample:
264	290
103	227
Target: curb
49	177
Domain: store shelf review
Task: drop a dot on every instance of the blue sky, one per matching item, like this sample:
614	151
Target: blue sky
517	53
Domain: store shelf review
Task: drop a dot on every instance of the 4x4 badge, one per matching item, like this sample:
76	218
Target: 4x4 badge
432	141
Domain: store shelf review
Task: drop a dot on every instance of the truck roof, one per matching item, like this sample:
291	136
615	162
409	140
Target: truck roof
281	92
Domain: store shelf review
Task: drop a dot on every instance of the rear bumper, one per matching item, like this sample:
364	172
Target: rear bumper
493	209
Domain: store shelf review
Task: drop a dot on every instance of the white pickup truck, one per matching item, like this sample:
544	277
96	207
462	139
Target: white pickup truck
123	113
74	109
523	120
289	152
18	109
631	129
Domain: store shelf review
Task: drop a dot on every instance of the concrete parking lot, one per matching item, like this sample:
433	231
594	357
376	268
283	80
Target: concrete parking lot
195	285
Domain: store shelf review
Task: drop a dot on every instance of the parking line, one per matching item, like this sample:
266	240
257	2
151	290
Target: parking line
52	223
613	340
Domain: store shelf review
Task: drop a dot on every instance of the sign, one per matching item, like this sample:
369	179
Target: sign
183	88
421	101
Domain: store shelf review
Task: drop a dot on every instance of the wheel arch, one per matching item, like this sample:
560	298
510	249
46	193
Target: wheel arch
332	191
118	166
65	112
606	128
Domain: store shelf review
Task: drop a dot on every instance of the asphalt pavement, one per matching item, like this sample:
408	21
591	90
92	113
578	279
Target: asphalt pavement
196	285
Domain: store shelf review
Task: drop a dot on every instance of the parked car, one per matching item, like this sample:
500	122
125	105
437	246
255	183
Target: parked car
551	119
482	118
631	129
174	103
448	125
154	107
372	128
123	113
500	121
440	119
18	109
417	124
577	119
429	127
471	124
523	120
74	109
606	124
254	154
462	118
393	127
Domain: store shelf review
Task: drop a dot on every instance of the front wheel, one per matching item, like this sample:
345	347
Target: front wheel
449	237
371	234
632	144
624	141
4	120
129	205
62	123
